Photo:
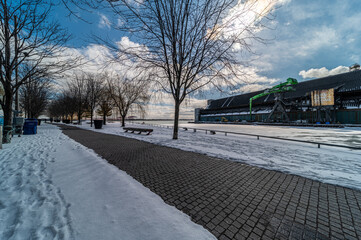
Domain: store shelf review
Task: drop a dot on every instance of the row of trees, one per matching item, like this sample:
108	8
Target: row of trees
34	97
188	44
30	49
88	92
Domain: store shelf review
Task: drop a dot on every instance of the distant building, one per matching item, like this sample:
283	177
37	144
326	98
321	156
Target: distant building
332	99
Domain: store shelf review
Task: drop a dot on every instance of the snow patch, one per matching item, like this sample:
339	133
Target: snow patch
52	187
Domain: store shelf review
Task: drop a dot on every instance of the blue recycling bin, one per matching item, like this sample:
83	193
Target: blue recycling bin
30	126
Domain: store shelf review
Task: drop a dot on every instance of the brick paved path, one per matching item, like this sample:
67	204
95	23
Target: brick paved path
230	199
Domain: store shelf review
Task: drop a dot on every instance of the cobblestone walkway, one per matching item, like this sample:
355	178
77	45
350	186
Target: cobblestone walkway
230	199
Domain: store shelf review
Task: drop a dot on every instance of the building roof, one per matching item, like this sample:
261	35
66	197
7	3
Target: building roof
345	82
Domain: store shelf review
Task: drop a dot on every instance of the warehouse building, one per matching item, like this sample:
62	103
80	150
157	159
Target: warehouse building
332	99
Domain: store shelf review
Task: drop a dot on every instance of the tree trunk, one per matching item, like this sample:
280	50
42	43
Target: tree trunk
8	111
79	117
176	119
7	114
91	119
104	119
123	121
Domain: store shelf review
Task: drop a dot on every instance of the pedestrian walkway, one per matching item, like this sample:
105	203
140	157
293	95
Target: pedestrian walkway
230	199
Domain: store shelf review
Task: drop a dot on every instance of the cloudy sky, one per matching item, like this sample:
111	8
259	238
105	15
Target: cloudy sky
305	39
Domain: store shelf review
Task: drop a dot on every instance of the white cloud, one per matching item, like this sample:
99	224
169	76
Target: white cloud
253	81
252	88
302	47
317	32
324	37
242	19
120	22
322	72
163	108
125	44
104	21
94	59
355	58
306	11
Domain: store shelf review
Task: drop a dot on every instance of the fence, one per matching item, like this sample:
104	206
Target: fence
259	136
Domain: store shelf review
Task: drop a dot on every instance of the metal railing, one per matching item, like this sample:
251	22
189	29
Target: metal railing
211	131
9	133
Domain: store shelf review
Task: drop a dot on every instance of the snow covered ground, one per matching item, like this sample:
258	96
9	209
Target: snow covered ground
349	136
339	166
54	188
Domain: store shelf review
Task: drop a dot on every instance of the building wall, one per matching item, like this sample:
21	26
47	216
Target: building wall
346	116
349	116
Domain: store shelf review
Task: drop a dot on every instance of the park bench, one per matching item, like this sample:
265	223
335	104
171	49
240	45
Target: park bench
186	129
139	130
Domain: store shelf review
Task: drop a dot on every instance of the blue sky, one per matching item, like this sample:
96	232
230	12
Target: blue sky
307	39
313	34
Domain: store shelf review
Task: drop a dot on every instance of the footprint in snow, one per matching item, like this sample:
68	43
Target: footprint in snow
2	205
48	233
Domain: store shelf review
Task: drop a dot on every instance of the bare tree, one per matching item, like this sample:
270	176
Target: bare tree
95	89
189	44
63	106
78	90
55	109
34	97
27	36
34	93
105	106
128	93
68	106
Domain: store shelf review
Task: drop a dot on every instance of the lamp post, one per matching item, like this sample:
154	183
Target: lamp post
16	68
1	96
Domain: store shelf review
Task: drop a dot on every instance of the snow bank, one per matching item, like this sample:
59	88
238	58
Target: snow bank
339	166
54	188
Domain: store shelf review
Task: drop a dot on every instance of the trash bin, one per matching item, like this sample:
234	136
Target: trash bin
30	126
98	124
1	130
18	123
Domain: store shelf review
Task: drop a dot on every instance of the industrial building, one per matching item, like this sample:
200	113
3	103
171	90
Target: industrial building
332	99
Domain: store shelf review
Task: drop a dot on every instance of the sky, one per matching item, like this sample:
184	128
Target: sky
304	40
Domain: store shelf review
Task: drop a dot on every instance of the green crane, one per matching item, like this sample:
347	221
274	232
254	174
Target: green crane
283	87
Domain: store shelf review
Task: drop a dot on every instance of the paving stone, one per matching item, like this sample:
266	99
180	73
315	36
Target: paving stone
233	200
219	229
224	237
229	234
239	236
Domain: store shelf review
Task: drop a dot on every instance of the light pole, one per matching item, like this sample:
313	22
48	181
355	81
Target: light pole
16	68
